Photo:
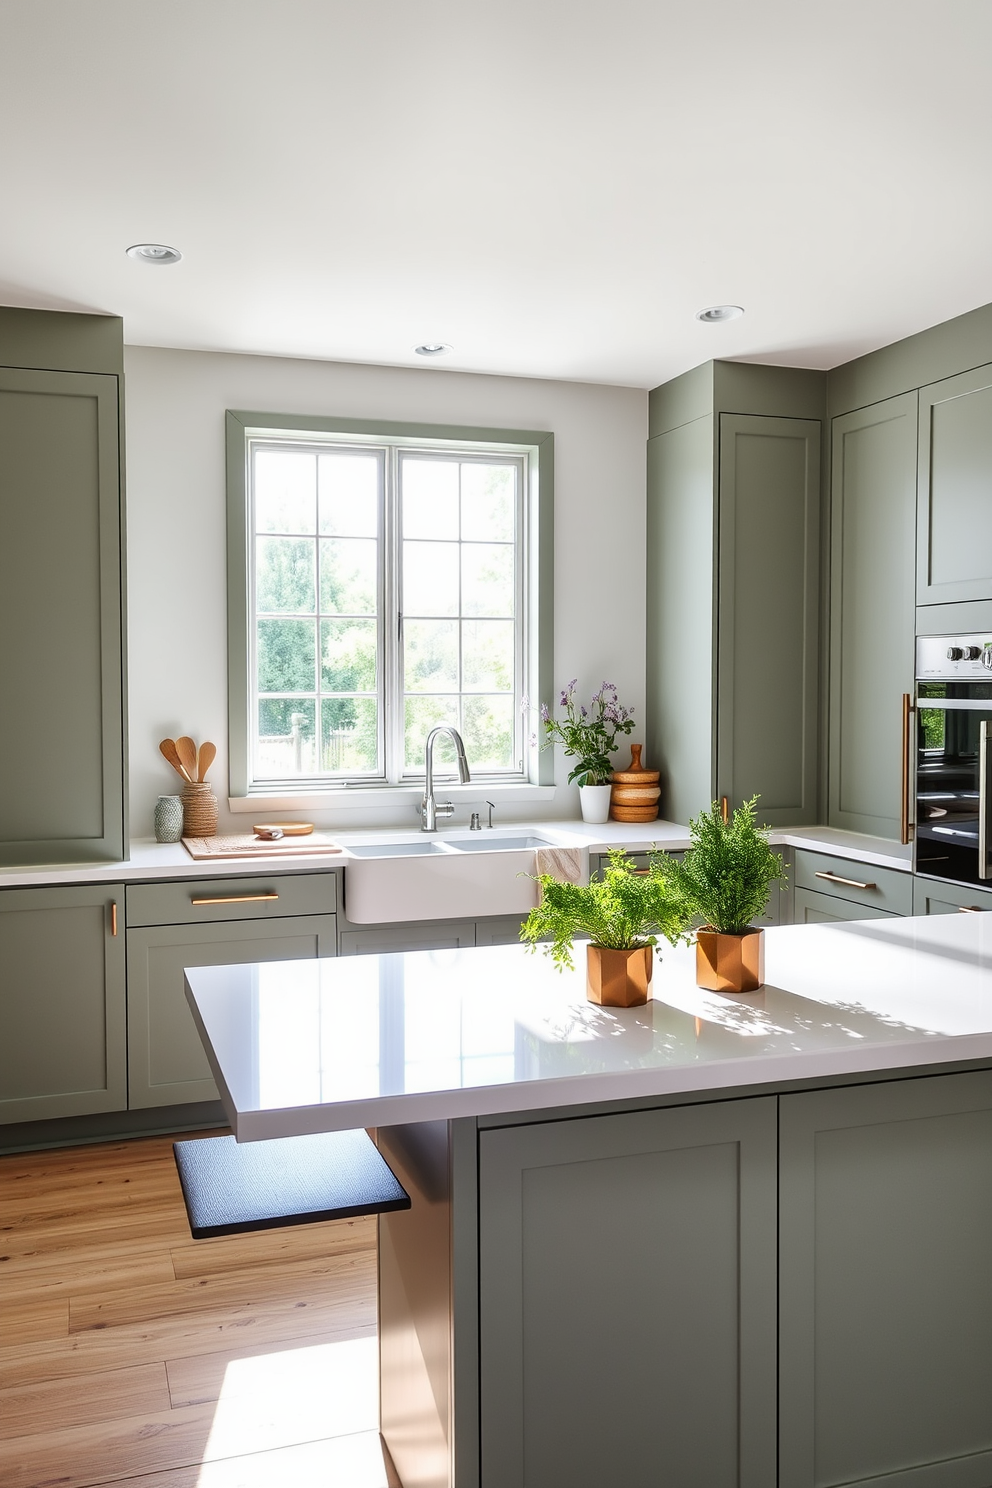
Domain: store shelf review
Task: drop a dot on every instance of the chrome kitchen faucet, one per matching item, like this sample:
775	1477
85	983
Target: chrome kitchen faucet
430	810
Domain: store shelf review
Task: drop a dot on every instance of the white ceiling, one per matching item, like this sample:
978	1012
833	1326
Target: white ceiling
552	186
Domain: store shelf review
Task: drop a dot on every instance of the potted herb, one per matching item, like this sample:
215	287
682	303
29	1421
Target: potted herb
724	880
623	913
589	735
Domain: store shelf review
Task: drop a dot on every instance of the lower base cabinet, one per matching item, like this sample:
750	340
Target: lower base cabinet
166	1062
627	1300
885	1300
62	1007
812	908
791	1291
932	897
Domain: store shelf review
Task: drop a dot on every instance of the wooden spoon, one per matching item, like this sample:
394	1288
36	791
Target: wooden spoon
168	748
186	750
204	759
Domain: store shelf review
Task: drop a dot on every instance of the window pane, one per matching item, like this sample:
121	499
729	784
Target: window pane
286	656
487	579
348	486
487	655
430	578
430	498
286	737
347	655
349	735
423	714
284	575
285	491
430	655
348	575
487	729
488	502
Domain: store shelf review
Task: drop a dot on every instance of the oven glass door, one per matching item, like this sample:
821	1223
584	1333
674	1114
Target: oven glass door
951	795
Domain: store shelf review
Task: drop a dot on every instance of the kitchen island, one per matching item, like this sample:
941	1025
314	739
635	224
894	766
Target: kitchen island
709	1241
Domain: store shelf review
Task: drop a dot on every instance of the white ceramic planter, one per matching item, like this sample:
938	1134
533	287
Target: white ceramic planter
595	802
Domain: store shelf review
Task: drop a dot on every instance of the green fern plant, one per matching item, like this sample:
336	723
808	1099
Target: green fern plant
620	911
725	876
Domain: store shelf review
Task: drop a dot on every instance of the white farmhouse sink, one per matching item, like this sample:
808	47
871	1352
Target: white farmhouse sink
441	878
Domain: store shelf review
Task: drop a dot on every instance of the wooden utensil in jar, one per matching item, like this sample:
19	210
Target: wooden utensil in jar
169	750
205	757
186	750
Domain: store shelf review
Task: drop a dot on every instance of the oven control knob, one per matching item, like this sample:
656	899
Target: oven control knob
954	653
972	653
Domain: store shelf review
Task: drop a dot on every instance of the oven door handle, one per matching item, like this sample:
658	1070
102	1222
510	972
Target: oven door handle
983	802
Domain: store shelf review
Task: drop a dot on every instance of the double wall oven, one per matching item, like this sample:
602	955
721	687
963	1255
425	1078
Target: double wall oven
953	758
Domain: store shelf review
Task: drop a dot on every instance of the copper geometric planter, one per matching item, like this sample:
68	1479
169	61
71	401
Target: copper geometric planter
619	978
730	963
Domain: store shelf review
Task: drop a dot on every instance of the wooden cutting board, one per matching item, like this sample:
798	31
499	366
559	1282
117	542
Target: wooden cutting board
250	847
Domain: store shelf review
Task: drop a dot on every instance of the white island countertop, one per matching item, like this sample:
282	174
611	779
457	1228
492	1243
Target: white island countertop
307	1046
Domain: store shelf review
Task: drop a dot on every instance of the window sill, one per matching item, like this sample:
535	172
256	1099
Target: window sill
359	799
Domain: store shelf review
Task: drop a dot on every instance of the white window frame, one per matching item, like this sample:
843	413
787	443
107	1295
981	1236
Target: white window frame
534	598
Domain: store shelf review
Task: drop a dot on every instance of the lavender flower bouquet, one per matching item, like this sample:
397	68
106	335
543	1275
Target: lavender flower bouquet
589	734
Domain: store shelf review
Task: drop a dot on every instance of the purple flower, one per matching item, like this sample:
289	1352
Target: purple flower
545	713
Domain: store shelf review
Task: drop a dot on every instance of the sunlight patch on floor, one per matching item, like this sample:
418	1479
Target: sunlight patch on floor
286	1406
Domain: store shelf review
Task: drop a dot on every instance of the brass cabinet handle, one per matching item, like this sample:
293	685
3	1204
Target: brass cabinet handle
907	711
852	883
725	808
983	799
970	909
640	872
237	899
113	917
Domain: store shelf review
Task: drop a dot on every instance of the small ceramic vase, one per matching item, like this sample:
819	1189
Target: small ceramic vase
168	819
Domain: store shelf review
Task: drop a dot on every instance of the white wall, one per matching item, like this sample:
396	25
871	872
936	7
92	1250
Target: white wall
176	400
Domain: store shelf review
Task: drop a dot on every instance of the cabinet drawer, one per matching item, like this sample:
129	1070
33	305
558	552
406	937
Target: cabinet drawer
819	909
201	900
930	897
862	883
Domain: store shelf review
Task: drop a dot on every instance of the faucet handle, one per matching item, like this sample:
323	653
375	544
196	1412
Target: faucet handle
492	808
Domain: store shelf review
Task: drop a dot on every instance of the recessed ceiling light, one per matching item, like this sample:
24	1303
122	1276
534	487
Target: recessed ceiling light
156	253
719	312
432	348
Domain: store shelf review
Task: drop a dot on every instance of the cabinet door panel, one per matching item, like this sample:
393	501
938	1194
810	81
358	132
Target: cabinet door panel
769	614
166	1062
930	898
886	1288
955	473
872	603
61	752
817	909
627	1297
62	1016
451	935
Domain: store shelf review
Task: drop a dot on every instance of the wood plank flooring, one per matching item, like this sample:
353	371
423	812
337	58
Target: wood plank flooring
131	1354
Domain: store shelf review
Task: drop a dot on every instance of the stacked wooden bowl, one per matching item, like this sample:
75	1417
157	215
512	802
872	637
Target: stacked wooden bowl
635	793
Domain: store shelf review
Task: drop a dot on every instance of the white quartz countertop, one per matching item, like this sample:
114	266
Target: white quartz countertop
308	1046
155	860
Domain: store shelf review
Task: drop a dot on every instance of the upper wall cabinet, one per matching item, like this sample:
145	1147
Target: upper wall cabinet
61	589
872	612
954	544
733	563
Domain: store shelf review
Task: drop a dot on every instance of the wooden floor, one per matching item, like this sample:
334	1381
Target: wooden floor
131	1354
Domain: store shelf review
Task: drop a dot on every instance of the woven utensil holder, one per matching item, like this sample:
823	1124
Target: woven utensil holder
199	810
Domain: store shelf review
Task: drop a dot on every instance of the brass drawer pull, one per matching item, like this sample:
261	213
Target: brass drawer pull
970	909
113	918
640	872
237	899
852	883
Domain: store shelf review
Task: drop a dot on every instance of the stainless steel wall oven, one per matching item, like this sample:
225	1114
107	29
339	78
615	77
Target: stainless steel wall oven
953	755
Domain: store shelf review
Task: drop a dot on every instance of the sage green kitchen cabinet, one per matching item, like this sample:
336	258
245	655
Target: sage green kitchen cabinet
872	612
62	747
932	897
812	908
733	545
62	1009
885	1303
627	1299
863	888
954	548
212	922
427	935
